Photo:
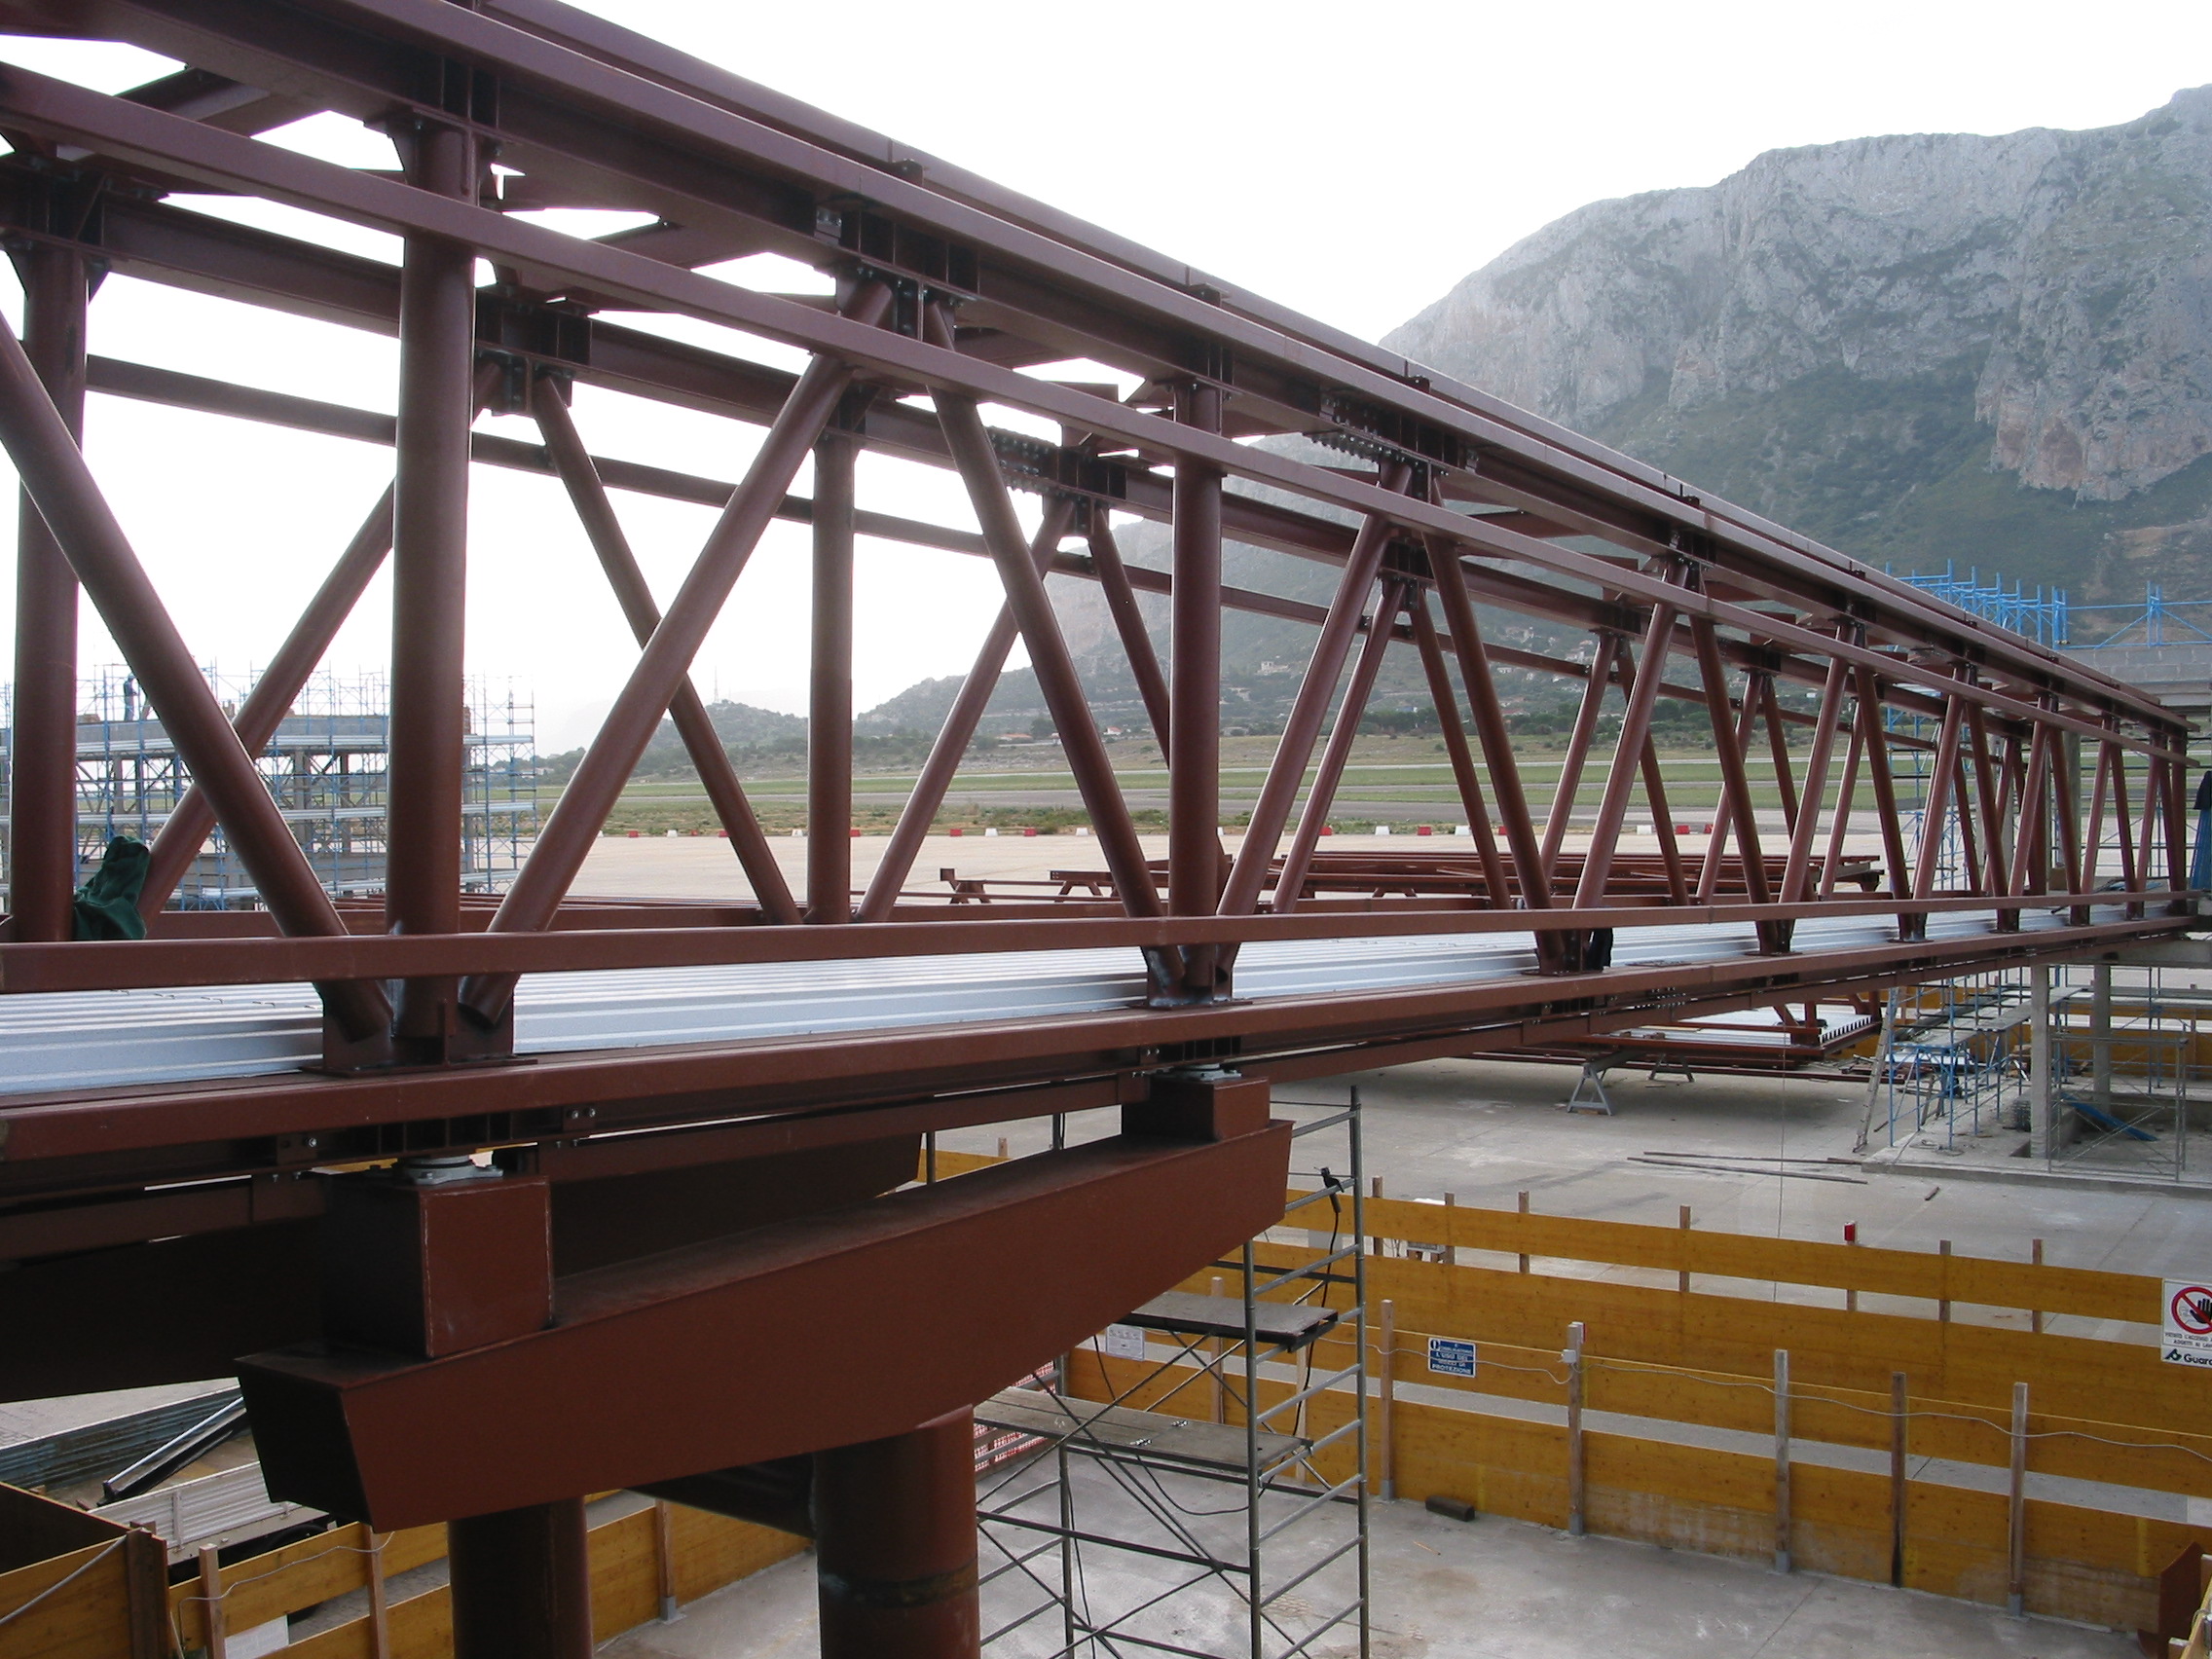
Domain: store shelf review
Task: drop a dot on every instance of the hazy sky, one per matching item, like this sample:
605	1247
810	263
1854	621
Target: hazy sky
1351	164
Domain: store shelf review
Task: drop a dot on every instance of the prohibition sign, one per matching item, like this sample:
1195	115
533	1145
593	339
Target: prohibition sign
2190	1311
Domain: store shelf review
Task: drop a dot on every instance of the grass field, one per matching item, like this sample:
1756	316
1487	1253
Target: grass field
1388	778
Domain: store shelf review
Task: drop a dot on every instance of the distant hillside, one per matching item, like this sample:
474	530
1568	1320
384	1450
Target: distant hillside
1991	351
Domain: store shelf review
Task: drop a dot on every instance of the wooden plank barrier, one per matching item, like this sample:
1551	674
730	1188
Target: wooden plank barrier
2025	1285
71	1607
2082	1564
89	1616
2102	1409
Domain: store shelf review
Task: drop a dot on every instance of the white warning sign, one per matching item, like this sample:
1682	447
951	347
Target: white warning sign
2189	1322
1122	1342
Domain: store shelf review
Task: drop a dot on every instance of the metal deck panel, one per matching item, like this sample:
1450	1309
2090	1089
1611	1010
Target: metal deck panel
106	1039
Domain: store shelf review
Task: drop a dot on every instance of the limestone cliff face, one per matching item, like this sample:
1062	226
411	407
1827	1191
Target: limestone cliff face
1833	331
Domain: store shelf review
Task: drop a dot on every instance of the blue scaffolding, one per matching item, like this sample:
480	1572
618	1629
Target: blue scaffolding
2041	616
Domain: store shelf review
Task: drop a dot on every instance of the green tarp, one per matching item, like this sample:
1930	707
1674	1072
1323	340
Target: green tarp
107	906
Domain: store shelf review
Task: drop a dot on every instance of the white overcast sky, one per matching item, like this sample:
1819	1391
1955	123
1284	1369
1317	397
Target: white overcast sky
1350	162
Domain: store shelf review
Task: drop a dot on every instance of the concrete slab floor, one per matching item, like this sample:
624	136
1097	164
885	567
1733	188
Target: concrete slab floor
1505	1589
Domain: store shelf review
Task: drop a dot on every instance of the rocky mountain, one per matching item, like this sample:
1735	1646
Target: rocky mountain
1994	351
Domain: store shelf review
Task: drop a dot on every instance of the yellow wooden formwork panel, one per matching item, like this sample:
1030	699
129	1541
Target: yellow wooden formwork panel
2069	1376
1839	1522
2051	1289
714	1550
1501	1466
625	1574
82	1618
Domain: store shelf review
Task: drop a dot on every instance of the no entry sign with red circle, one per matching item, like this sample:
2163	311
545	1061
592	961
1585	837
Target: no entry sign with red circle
2189	1322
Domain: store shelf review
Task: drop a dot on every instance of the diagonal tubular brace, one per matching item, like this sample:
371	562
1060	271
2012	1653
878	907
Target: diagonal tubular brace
61	484
564	447
666	661
279	686
958	730
971	445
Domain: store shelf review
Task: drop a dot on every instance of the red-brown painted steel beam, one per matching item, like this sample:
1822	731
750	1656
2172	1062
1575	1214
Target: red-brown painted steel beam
1846	791
60	1144
958	732
429	584
1628	753
1577	755
1129	622
579	476
1798	872
61	486
1336	754
830	687
1194	758
1279	790
46	106
1935	810
1735	782
1991	786
42	752
275	689
1489	712
1048	658
941	1276
1496	878
666	661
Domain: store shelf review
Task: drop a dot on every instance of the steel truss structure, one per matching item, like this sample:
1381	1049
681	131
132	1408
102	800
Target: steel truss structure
416	1364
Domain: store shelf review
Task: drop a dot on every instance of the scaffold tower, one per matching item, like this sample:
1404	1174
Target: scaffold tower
326	764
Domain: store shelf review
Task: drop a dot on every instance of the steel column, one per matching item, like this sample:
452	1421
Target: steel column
666	661
42	790
587	493
1308	709
1195	857
520	1583
54	471
895	1544
950	746
429	587
1129	622
830	688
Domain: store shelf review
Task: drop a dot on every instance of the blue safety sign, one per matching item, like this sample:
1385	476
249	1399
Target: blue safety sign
1451	1356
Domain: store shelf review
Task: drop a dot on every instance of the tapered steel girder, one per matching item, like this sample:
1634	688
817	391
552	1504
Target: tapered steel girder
944	1276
